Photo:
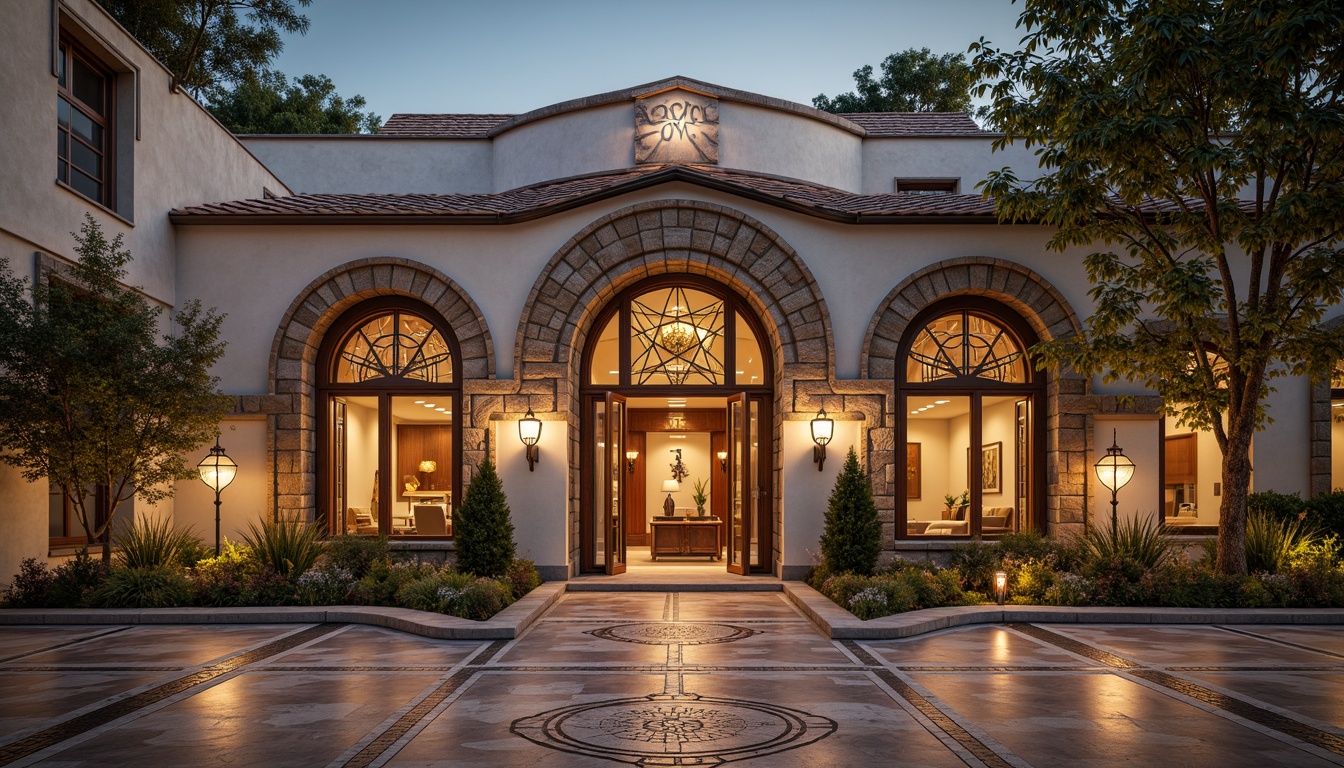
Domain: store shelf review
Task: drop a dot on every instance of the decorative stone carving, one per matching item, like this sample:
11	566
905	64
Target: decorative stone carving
677	127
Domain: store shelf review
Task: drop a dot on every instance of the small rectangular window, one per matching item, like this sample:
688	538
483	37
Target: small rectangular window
84	123
927	186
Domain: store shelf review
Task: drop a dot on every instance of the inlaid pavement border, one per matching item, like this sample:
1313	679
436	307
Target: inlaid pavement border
839	624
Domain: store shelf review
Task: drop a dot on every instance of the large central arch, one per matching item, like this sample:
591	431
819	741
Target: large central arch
655	238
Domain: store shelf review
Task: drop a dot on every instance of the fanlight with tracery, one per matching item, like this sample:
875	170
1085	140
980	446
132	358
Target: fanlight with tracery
962	345
395	345
676	337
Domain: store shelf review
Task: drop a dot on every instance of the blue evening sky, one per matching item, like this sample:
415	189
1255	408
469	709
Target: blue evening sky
513	56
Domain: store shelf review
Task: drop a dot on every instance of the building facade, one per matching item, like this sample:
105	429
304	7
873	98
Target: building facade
675	280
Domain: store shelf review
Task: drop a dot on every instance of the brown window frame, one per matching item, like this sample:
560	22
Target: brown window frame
68	51
939	186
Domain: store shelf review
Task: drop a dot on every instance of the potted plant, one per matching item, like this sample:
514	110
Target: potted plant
953	503
700	496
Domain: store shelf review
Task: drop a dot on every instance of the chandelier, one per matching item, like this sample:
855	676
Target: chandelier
677	337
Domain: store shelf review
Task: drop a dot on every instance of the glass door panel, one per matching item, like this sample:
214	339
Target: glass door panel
739	486
614	485
754	490
600	473
939	463
358	488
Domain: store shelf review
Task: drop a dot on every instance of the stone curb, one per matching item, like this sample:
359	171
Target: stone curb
839	624
505	625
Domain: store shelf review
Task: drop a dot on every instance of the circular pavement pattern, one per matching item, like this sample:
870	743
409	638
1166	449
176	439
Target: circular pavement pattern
667	633
682	729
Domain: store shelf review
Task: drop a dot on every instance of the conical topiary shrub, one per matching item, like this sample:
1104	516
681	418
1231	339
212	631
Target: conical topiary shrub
482	529
852	538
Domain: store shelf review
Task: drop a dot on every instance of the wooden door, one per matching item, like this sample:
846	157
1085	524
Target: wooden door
636	516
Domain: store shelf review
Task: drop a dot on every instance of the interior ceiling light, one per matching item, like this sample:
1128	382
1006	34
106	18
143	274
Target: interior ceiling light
613	373
441	410
428	405
419	402
677	437
678	337
941	402
914	413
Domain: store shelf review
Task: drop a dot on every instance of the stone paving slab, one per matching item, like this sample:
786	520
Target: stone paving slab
672	678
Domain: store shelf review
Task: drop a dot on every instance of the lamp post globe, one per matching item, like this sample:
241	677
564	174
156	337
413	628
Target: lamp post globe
1114	470
217	470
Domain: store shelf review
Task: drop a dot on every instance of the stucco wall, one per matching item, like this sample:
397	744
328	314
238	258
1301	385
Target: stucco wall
567	144
377	164
765	140
967	159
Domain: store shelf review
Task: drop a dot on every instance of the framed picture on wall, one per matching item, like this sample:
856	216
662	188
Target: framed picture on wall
991	468
912	470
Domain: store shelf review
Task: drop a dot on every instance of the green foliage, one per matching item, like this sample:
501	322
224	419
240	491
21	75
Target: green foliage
75	580
1279	506
522	577
30	585
1139	541
380	585
287	547
206	43
193	551
1326	512
482	529
152	543
913	80
1197	148
701	494
160	587
852	538
325	584
90	397
906	587
975	562
1271	543
269	103
356	554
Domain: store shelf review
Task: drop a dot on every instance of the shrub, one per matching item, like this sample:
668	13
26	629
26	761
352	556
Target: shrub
160	587
380	585
150	542
1279	506
976	563
481	526
1326	512
522	577
1139	540
194	551
76	579
357	554
30	586
325	584
1272	542
1031	581
288	547
481	599
852	537
225	580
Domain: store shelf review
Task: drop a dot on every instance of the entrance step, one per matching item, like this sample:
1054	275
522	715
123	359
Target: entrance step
639	583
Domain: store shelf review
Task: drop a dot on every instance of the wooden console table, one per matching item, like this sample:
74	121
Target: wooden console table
685	536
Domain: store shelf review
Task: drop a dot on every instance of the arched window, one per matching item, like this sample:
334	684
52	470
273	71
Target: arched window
968	420
387	384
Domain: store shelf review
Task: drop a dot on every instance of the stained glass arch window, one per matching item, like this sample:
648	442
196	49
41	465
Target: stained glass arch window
397	344
964	345
676	332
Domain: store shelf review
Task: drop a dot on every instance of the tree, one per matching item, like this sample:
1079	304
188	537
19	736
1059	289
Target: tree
210	43
912	81
1200	144
852	537
481	526
90	398
271	104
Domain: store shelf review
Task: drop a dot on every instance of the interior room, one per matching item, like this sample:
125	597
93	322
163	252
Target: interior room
421	448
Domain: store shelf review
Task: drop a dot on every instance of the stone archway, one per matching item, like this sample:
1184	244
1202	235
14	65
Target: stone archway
1067	407
289	406
654	238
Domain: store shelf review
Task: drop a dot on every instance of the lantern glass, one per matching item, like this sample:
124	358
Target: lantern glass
217	470
529	428
822	428
1115	471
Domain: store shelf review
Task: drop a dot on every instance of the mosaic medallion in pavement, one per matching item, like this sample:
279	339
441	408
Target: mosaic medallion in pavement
668	633
676	729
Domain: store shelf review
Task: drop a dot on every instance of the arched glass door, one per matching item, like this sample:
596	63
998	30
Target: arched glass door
667	363
387	393
968	404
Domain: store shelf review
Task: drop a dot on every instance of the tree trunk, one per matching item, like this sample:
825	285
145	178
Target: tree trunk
1236	490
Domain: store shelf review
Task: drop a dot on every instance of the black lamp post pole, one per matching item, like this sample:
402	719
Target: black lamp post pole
1114	504
216	523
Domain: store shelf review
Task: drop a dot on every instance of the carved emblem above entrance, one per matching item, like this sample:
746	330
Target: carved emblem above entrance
676	127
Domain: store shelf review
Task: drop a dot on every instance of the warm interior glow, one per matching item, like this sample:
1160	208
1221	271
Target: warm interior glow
671	486
428	466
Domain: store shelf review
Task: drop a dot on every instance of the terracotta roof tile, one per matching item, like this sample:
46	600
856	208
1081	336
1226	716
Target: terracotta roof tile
442	126
889	124
551	197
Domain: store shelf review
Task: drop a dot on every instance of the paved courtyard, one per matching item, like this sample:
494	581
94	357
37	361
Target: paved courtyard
672	679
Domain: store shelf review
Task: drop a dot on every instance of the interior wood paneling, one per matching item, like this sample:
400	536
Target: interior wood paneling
418	442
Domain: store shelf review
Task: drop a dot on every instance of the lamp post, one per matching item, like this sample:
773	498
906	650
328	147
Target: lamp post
217	471
1114	470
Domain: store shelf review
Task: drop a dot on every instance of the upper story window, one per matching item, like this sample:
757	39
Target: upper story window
84	125
395	345
965	345
926	186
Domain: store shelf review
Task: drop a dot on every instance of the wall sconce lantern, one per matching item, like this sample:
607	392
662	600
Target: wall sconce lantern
217	471
822	429
1000	587
723	460
630	457
529	431
1114	470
